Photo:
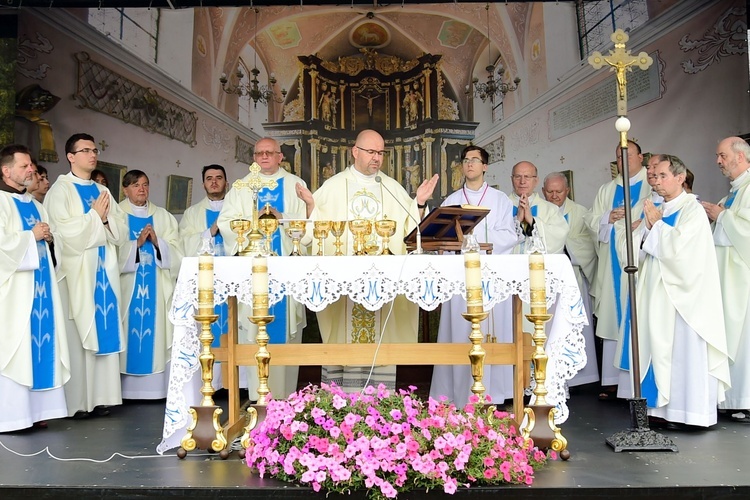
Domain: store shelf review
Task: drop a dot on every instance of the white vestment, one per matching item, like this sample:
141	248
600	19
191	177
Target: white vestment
682	342
95	379
611	286
351	195
193	227
21	404
152	382
732	240
580	248
548	223
498	228
238	204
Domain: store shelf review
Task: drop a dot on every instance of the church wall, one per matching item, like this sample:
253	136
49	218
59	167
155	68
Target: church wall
694	112
126	144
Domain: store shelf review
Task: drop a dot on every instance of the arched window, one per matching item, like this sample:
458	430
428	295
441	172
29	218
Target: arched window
597	20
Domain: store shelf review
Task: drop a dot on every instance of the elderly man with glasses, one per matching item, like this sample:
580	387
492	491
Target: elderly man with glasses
284	204
498	228
363	192
534	216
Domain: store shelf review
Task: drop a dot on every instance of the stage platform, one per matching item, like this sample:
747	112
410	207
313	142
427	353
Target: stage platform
710	464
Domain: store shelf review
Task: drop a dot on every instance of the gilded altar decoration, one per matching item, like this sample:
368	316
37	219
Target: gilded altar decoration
370	59
101	89
447	107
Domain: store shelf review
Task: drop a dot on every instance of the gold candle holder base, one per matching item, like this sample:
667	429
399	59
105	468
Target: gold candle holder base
475	314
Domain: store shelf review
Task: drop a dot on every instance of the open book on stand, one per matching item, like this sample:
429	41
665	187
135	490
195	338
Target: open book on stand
443	229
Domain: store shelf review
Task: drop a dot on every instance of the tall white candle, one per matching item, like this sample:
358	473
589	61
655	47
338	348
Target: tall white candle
473	270
260	276
206	272
536	271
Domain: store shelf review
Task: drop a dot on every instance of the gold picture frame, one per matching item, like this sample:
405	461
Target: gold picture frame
569	176
114	174
179	193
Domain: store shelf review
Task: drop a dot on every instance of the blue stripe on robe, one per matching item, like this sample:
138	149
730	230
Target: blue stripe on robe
618	200
534	210
730	199
221	325
141	326
277	329
567	218
42	325
107	313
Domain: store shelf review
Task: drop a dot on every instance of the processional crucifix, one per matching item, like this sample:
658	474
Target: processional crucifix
254	183
638	437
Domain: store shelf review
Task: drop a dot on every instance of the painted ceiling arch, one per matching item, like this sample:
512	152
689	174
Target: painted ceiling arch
458	32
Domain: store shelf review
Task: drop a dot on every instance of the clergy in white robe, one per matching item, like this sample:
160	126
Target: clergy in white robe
579	247
611	286
363	192
281	198
90	226
498	227
534	216
732	240
34	360
149	265
682	341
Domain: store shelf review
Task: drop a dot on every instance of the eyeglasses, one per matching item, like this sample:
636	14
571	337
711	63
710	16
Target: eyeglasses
472	161
266	153
523	177
86	151
372	152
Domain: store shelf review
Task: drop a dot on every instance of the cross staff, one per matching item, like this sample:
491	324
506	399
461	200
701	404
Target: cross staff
255	183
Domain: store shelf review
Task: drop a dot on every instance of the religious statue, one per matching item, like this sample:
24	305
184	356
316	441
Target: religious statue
457	174
325	106
413	173
411	105
328	171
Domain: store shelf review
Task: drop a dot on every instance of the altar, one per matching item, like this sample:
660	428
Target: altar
373	281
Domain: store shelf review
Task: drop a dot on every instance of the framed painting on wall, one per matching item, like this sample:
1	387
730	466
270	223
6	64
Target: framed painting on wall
114	174
179	193
569	176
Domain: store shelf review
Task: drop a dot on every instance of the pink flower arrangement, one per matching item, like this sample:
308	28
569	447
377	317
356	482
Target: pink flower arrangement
387	442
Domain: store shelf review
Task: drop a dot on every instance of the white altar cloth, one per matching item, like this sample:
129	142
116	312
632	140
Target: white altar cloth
373	281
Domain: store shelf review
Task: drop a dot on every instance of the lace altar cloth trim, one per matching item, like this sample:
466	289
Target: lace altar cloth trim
427	280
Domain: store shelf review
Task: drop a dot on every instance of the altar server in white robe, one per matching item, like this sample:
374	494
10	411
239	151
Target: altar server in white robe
149	264
732	241
498	228
90	226
362	191
682	340
534	215
579	247
290	318
611	288
34	361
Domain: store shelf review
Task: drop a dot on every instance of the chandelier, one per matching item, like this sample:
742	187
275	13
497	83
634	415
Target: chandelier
494	86
253	89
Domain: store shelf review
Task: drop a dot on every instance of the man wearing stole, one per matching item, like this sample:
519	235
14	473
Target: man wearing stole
289	315
90	225
731	218
363	192
683	349
34	361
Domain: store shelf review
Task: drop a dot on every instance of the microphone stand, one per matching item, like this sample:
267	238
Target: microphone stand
418	250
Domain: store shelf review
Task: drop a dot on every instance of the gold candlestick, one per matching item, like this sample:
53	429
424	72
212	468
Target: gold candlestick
475	313
548	436
205	430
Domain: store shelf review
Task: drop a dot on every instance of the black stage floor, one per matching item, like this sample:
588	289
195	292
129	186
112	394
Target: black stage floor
710	464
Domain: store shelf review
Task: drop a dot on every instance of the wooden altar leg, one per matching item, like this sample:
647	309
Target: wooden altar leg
520	368
233	379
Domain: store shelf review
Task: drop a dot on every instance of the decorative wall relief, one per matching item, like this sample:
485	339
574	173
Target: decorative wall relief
496	149
101	89
216	138
243	151
728	37
28	51
31	102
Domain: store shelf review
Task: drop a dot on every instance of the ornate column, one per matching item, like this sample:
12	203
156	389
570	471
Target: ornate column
399	157
314	171
427	107
342	111
427	146
313	93
398	105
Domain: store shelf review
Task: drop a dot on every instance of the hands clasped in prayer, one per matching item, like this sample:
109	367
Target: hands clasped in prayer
41	231
524	209
712	210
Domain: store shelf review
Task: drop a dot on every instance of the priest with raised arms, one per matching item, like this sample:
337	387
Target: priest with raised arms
289	315
497	228
34	361
91	226
362	191
682	340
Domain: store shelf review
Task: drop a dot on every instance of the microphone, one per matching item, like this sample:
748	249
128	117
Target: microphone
418	250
